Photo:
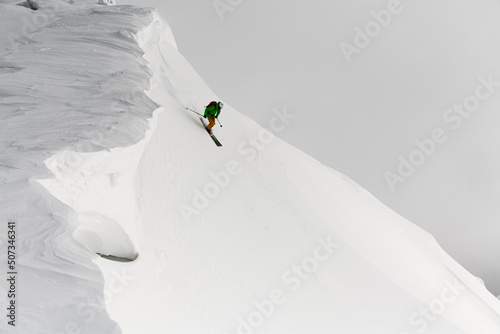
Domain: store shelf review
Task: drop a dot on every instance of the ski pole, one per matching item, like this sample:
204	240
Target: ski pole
219	122
194	111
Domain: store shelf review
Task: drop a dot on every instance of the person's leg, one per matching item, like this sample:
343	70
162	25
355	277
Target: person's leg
211	122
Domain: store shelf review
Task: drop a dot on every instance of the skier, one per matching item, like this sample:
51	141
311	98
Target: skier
212	111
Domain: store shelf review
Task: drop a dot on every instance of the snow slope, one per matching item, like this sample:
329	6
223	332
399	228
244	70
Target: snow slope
253	237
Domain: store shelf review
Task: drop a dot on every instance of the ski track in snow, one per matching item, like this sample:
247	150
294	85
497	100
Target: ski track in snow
93	109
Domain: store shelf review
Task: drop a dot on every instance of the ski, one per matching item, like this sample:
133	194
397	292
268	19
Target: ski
216	141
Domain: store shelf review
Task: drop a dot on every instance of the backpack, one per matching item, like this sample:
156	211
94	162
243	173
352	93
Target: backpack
212	110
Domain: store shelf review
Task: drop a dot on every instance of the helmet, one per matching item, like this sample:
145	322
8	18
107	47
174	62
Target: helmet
221	105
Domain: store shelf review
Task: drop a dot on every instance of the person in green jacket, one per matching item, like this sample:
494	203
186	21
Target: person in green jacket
212	111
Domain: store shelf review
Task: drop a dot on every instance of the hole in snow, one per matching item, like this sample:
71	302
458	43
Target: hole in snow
9	69
105	237
29	4
114	258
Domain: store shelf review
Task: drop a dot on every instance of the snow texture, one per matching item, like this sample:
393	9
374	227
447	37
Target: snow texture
96	146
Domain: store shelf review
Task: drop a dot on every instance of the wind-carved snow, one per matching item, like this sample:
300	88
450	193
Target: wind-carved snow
72	84
279	244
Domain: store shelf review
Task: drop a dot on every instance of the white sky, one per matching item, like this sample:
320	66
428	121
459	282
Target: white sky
359	117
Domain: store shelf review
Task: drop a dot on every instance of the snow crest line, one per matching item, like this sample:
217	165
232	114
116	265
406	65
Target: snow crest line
75	120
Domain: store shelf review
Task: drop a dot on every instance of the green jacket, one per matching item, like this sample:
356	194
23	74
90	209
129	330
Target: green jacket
212	110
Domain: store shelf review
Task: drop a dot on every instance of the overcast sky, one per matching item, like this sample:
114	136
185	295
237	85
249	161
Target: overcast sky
361	102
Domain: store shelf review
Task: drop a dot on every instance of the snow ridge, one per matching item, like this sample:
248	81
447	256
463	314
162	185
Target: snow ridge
72	91
96	142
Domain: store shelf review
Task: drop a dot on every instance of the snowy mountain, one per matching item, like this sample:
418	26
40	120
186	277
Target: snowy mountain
100	155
